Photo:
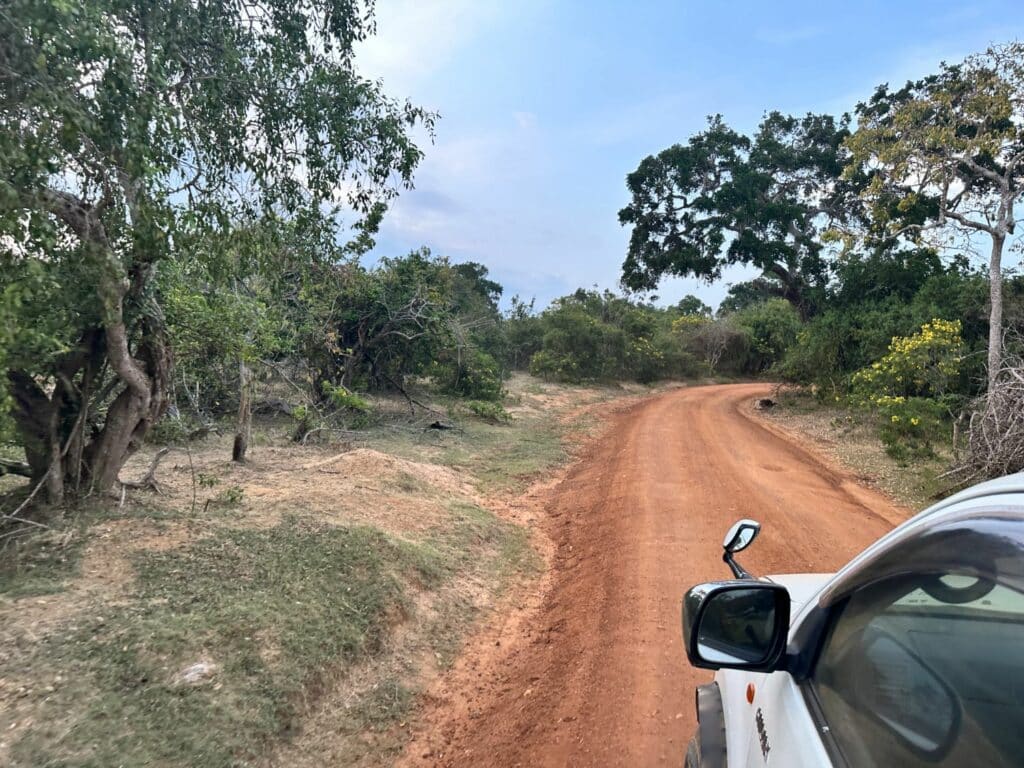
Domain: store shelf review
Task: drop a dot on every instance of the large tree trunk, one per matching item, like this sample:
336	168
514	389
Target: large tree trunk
65	451
995	318
243	430
53	409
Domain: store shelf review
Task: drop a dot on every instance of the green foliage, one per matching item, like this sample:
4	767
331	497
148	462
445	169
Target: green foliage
133	137
921	365
342	399
230	497
591	336
772	327
474	374
213	327
488	410
910	427
378	328
882	295
524	334
944	149
724	198
690	305
908	387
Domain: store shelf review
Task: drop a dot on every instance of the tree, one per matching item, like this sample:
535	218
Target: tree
690	305
772	327
949	150
133	132
724	198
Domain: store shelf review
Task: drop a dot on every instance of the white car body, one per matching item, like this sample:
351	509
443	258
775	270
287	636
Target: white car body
767	719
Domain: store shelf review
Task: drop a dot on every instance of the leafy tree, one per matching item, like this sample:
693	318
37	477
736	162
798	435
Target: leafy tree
360	327
772	328
591	336
523	333
724	198
691	305
129	131
949	150
745	294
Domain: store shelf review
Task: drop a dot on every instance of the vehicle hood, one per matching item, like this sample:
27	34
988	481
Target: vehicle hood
801	587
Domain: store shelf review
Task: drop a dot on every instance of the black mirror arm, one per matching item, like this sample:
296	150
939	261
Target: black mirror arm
738	570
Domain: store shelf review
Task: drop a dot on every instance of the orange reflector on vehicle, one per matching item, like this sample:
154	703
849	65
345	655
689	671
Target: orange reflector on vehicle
750	693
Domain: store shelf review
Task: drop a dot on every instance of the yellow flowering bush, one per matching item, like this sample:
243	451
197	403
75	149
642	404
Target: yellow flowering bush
921	365
907	385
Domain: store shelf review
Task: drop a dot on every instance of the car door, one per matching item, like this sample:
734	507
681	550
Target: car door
777	728
921	669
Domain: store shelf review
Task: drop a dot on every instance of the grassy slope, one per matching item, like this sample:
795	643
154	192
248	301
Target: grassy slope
291	611
852	439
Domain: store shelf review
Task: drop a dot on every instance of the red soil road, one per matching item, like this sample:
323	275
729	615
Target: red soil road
595	674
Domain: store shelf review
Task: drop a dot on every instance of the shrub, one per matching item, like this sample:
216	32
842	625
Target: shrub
489	411
772	327
910	426
921	365
907	388
342	399
475	375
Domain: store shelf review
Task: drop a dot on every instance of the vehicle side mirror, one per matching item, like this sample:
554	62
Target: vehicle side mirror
736	625
899	690
741	535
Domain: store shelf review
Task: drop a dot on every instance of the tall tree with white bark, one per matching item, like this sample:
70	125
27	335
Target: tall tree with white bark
947	152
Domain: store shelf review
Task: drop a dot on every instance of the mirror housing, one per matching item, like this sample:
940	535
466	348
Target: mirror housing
741	535
924	715
740	624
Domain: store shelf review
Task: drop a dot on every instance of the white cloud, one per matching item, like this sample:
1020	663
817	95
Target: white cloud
416	38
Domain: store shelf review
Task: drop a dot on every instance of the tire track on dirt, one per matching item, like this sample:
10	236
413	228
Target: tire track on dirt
595	674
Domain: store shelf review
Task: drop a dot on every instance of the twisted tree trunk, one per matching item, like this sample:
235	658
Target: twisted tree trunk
54	413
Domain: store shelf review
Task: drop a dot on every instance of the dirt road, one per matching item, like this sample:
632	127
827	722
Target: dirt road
594	674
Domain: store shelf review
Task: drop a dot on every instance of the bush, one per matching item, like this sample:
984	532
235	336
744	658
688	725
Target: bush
489	411
475	375
910	426
342	399
550	365
923	364
907	388
772	327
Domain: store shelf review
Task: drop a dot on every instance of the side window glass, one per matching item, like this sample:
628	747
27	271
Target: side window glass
926	670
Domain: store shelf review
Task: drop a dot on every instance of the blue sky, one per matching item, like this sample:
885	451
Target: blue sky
546	106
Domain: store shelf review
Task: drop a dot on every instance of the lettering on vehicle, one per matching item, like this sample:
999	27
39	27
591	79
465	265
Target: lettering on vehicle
762	734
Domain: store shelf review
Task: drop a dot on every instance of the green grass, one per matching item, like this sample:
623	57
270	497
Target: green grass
40	564
278	611
272	608
501	458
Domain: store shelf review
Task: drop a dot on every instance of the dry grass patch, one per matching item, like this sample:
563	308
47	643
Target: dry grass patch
852	440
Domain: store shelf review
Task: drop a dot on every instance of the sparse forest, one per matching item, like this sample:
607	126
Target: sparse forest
885	232
192	199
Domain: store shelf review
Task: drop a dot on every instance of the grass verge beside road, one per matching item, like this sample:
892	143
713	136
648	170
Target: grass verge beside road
291	614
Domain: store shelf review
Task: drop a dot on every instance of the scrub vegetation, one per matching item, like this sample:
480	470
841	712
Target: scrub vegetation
250	474
867	226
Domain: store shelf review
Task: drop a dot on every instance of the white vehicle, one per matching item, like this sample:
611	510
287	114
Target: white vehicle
911	655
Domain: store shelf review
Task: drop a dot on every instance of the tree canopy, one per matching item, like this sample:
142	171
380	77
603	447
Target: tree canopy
133	132
948	150
724	198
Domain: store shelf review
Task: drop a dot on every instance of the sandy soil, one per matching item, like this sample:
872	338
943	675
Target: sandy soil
590	671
